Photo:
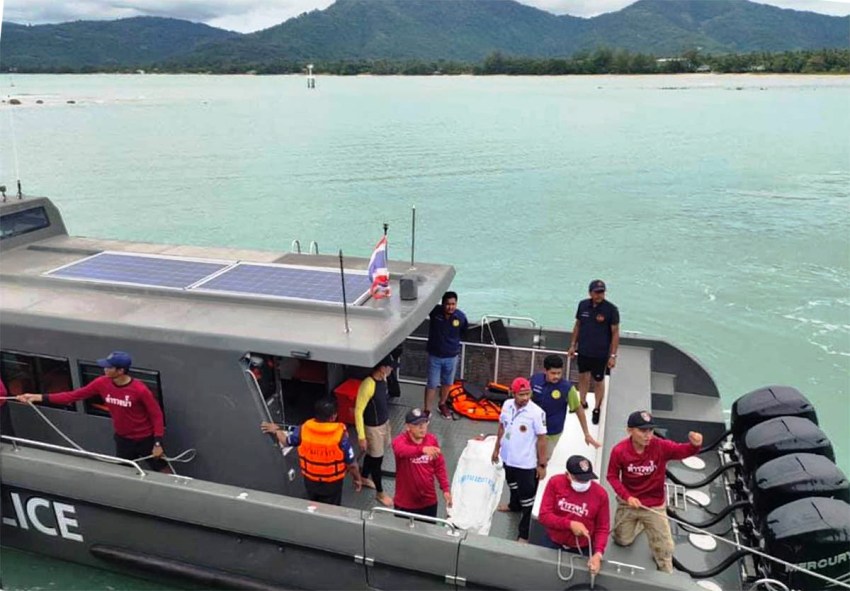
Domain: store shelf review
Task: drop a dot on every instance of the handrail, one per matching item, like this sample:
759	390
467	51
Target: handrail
310	248
295	246
81	452
495	377
505	347
414	516
487	317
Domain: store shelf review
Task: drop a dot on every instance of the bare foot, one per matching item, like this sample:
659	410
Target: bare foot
367	483
504	508
522	540
384	499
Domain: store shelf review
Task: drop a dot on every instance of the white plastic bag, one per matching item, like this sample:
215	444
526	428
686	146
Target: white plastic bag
476	487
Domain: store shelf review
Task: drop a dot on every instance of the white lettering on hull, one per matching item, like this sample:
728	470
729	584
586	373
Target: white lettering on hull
43	514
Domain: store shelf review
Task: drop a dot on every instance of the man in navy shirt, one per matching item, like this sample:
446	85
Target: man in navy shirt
445	328
555	395
596	337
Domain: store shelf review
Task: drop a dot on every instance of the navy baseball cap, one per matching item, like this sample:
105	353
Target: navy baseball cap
415	417
641	419
581	469
116	359
596	285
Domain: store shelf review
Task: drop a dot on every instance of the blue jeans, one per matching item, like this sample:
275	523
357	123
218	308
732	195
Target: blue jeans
441	371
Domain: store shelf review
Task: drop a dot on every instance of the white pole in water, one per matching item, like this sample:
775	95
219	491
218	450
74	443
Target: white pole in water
311	78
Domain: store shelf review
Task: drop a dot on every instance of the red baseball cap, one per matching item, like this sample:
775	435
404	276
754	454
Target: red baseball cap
520	385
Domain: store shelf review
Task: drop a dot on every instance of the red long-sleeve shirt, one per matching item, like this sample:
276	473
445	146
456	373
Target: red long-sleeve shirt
134	410
415	472
562	504
642	475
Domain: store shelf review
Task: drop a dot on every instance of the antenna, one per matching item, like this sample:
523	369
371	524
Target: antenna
14	146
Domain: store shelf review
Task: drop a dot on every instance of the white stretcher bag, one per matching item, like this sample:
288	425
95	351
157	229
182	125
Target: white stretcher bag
476	486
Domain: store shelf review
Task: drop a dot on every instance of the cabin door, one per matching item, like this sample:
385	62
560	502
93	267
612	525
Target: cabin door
401	554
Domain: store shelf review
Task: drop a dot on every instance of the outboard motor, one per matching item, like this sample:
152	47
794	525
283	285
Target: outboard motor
767	403
812	533
782	436
796	476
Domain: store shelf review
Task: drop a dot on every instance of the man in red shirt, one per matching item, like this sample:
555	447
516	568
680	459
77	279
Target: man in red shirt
636	472
575	510
136	415
418	461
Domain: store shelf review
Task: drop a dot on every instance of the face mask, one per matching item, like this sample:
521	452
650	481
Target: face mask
580	486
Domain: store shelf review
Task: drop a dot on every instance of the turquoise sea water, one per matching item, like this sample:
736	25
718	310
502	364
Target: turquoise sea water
717	208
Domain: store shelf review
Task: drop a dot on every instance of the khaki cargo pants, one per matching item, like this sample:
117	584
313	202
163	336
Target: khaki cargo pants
629	522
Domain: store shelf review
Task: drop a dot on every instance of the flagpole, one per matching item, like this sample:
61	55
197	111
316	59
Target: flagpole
344	299
387	247
413	239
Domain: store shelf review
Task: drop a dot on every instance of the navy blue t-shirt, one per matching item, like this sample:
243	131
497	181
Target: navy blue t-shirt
552	398
595	322
444	333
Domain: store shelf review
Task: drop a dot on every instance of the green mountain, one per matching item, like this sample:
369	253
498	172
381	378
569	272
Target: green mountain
464	30
720	26
101	44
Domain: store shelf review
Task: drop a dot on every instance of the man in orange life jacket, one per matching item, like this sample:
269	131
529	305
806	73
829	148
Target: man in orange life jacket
324	451
136	415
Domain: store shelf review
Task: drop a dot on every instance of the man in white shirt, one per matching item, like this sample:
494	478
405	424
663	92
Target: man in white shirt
521	444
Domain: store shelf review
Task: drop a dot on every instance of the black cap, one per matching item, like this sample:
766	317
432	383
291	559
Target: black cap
581	469
596	285
415	417
387	361
641	419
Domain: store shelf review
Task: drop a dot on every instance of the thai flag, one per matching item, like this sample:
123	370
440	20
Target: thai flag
378	273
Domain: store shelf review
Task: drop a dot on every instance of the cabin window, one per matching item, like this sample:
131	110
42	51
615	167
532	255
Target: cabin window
23	222
95	405
39	374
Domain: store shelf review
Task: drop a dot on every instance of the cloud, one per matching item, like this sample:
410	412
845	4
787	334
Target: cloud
252	15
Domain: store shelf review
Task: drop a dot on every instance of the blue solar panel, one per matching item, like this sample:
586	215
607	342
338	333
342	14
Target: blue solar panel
280	281
137	269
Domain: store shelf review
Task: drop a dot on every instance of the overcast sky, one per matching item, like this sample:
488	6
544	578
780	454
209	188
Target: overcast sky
252	15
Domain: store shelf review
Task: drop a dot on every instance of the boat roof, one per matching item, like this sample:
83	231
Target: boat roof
290	327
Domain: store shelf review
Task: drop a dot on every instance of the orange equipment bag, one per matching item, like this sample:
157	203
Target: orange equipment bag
470	407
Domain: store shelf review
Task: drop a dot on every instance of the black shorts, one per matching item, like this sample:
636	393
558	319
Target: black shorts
133	449
597	366
429	511
324	492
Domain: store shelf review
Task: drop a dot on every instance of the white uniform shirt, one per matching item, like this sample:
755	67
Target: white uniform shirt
522	426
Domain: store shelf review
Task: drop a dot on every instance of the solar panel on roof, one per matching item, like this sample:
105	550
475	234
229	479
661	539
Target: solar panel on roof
137	269
284	281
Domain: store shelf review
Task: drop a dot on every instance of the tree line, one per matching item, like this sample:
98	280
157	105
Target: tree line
599	61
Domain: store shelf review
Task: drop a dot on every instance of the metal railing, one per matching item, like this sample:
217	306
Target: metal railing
525	319
499	351
79	452
454	531
295	246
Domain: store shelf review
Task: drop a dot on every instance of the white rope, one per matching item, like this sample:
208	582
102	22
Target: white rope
183	457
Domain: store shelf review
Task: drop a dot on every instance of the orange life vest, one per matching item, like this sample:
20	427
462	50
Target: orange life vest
477	410
321	458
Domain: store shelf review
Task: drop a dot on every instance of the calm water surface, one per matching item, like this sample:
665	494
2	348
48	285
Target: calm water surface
717	208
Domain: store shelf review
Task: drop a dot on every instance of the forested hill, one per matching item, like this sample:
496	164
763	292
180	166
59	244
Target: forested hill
124	43
463	30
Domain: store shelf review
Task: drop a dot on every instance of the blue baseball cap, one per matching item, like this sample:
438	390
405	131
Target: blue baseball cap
596	285
116	359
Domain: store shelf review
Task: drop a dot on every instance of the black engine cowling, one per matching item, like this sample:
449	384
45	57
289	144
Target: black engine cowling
767	403
812	533
782	436
797	476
